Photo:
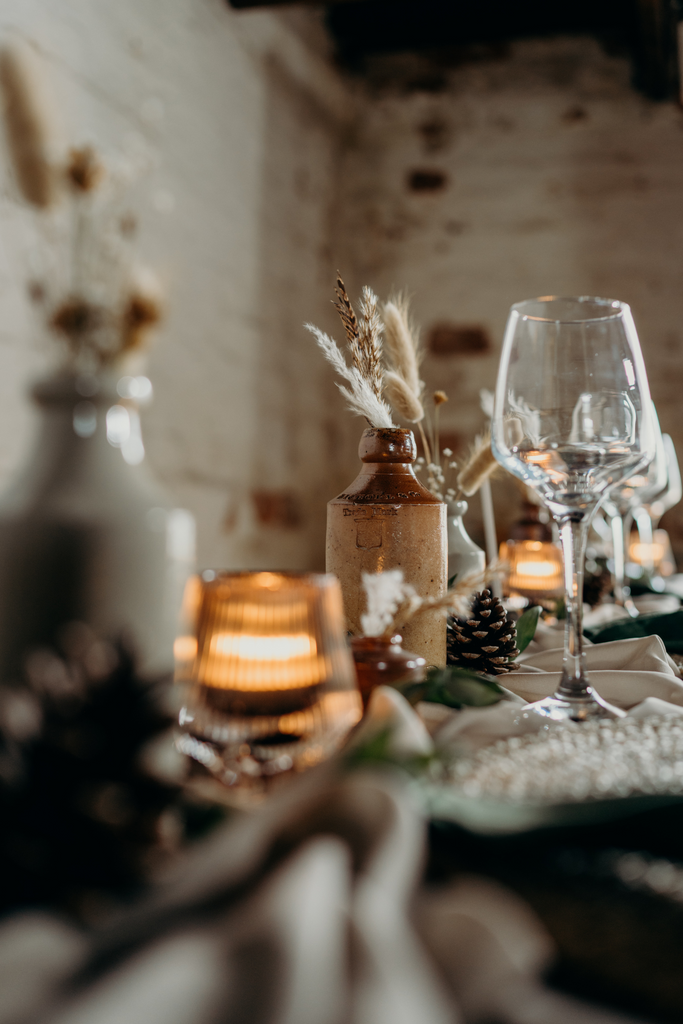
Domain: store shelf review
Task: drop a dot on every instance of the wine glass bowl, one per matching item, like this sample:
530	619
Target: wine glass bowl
572	419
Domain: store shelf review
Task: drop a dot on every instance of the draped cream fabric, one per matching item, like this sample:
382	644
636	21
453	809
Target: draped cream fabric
309	911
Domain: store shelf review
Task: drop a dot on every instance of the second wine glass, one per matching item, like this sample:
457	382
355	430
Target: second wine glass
571	419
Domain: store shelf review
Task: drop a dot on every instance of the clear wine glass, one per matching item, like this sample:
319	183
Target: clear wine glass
572	418
674	491
620	505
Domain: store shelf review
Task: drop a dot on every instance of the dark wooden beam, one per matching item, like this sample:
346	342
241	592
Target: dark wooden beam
646	29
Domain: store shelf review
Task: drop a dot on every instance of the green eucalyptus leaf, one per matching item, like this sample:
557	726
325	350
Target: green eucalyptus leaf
526	627
454	687
452	580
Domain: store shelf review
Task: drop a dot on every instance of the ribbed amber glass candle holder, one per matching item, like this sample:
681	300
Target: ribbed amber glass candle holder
272	686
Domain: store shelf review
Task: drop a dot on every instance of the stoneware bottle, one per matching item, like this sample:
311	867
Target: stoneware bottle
386	519
464	557
85	533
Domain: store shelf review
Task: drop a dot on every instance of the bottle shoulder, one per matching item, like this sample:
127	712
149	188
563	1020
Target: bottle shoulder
386	488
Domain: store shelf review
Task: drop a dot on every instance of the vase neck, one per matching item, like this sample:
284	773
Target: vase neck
93	437
387	445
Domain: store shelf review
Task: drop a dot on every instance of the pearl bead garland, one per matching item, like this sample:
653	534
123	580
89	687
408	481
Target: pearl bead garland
569	763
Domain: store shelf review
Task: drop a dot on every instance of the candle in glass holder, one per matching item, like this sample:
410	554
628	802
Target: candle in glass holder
534	560
535	568
655	557
272	686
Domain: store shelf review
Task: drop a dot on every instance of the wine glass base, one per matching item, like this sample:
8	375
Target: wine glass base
565	709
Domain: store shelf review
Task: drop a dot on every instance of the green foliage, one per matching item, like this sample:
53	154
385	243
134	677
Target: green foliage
455	687
668	626
377	750
526	627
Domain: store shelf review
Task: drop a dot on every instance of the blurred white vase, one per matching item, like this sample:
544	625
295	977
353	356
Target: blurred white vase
464	556
86	535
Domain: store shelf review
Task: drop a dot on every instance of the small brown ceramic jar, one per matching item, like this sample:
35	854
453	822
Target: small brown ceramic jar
384	662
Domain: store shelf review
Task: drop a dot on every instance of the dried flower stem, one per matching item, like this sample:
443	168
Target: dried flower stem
30	124
425	444
455	601
479	466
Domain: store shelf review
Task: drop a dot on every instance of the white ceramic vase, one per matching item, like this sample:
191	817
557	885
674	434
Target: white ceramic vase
86	535
464	557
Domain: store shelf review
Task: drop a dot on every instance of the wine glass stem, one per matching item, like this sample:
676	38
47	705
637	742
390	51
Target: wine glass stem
617	527
573	534
621	532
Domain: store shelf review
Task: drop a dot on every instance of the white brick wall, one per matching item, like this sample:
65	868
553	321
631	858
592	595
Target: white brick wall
561	179
244	117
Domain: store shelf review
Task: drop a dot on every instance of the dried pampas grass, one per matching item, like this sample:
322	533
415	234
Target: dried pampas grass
402	380
402	346
364	338
360	397
402	398
479	465
30	124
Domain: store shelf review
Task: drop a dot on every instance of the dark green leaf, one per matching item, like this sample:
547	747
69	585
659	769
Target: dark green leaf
452	580
668	626
454	687
526	627
378	749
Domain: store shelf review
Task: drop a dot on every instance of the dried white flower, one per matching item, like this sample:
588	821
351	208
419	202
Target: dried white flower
529	419
384	592
486	401
361	397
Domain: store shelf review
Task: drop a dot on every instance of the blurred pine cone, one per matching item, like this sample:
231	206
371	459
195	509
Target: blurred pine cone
86	799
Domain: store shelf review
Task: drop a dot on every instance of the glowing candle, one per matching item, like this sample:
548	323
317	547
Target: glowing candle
272	685
535	568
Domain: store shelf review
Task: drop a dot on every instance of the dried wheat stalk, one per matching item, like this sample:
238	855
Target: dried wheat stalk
370	329
364	337
30	124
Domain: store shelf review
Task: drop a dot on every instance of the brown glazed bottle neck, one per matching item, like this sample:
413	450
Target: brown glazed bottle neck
386	475
387	451
387	445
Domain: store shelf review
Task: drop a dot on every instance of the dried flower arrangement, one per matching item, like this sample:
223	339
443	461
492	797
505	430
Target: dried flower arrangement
391	602
89	292
385	375
364	339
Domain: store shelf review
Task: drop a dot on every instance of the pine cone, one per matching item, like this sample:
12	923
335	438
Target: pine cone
486	640
85	814
596	586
